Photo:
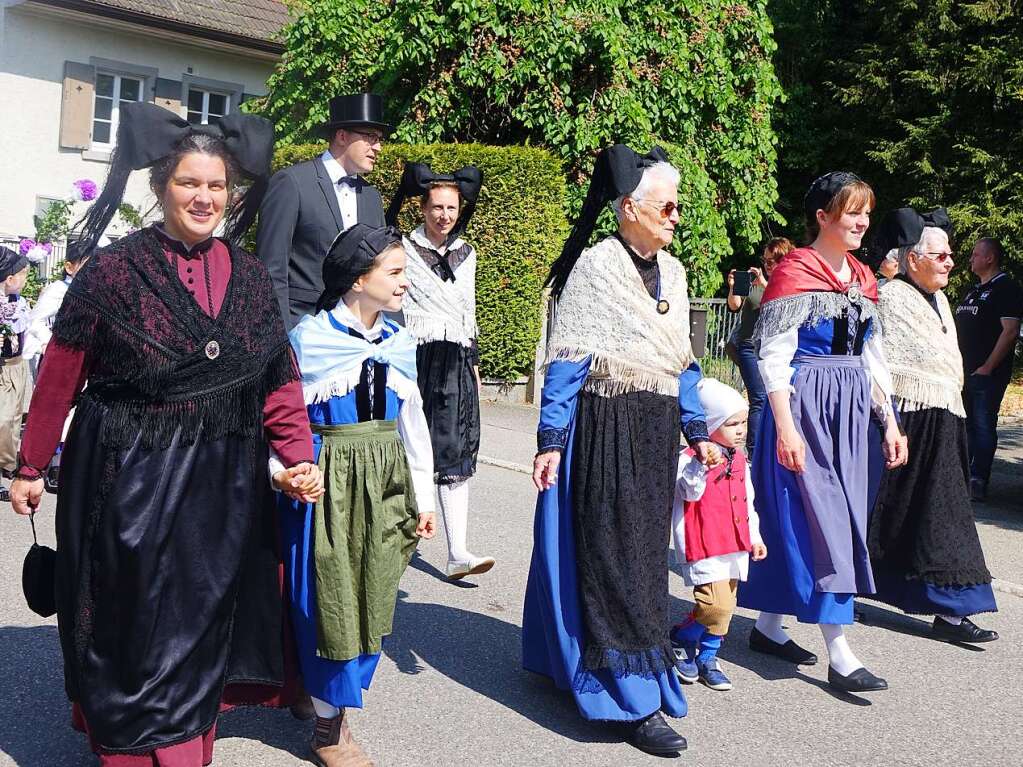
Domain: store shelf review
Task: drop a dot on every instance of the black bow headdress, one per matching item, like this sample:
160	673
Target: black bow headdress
147	133
418	179
903	227
823	190
617	171
350	256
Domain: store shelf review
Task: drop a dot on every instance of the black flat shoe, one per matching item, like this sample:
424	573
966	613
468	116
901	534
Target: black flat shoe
789	651
966	631
859	680
655	736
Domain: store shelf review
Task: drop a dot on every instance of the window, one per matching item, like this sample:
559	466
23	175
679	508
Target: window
112	90
206	107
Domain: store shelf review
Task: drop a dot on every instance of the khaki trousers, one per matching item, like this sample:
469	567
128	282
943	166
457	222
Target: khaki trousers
715	603
14	397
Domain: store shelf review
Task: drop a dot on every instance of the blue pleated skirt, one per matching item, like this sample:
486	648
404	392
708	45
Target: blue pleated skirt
552	624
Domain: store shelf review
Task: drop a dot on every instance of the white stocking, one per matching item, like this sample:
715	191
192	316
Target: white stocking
840	656
454	507
323	709
769	624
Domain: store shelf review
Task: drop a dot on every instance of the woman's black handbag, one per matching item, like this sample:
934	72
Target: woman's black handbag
38	576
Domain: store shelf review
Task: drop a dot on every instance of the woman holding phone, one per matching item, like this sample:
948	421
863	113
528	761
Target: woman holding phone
741	349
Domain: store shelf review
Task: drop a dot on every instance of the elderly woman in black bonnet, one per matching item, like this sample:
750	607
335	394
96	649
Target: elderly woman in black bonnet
167	591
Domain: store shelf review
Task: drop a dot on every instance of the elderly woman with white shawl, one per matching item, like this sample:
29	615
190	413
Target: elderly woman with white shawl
620	389
923	541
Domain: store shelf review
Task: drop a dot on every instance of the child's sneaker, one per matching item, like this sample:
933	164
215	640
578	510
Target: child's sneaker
710	674
684	667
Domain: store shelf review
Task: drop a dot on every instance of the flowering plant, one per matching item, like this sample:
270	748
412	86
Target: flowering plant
34	251
84	190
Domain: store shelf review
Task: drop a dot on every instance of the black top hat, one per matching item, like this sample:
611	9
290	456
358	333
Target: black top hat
359	110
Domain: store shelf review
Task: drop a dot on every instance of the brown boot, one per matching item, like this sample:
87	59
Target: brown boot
333	746
302	709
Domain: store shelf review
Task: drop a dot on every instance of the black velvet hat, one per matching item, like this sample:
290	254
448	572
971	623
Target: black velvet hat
11	262
358	110
903	227
617	171
823	190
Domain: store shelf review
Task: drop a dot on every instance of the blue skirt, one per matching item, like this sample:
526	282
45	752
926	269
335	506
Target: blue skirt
552	624
816	554
339	683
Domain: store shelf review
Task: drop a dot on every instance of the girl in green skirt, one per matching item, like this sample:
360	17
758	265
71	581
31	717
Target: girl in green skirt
345	554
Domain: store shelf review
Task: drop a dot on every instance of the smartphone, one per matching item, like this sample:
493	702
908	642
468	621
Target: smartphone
743	281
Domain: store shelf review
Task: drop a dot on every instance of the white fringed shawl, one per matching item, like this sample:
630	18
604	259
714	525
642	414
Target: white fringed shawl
925	363
606	313
438	310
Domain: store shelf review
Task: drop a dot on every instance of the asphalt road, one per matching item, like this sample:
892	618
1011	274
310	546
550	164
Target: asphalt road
450	689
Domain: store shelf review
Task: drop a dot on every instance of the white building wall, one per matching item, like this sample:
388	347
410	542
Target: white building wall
33	49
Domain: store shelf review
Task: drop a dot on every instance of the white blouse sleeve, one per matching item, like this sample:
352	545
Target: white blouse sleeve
415	434
691	478
873	355
754	518
776	354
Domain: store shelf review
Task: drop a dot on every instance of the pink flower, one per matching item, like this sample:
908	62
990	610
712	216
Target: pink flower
34	251
84	190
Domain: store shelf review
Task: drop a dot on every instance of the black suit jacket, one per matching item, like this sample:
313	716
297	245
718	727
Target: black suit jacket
298	221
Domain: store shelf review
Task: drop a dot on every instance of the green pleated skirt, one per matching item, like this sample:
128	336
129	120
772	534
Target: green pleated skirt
364	535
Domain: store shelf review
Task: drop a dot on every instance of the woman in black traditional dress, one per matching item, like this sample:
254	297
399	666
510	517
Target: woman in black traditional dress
924	548
168	598
440	311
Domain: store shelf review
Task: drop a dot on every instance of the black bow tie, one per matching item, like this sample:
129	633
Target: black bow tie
352	181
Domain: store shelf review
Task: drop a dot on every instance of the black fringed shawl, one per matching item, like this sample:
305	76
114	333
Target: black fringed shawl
147	339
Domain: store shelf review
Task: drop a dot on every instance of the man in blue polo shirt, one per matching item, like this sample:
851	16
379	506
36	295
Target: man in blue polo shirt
988	322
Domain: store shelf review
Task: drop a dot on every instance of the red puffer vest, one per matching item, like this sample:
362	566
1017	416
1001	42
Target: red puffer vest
718	523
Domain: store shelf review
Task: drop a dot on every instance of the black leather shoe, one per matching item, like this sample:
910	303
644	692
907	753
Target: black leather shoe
655	736
859	680
966	631
789	651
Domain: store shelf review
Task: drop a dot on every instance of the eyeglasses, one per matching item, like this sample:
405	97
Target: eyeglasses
667	206
939	257
371	138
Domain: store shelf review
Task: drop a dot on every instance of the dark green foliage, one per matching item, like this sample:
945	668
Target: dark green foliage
572	77
516	236
924	99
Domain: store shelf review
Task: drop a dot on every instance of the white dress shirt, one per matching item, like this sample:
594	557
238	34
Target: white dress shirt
347	201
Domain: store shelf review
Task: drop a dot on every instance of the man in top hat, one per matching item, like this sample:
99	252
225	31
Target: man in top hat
308	204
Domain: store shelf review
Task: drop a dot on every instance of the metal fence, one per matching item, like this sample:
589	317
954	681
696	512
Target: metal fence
719	323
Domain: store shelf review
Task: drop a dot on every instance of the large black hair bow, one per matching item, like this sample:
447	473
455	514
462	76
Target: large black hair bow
617	171
418	178
903	227
147	133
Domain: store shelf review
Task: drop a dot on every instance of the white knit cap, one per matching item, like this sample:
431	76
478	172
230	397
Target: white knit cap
720	402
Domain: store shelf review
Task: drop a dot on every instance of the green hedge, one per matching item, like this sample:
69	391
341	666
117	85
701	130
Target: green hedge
518	229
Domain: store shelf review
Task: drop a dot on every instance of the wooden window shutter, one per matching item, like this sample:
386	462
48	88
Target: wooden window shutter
76	105
168	94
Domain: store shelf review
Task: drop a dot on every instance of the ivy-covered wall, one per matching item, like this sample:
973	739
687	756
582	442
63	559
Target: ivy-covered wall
572	77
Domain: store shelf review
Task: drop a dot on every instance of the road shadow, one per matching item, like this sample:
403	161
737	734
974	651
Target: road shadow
36	714
873	614
735	650
483	653
420	564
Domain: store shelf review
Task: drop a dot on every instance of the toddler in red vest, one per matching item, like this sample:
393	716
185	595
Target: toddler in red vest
715	529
